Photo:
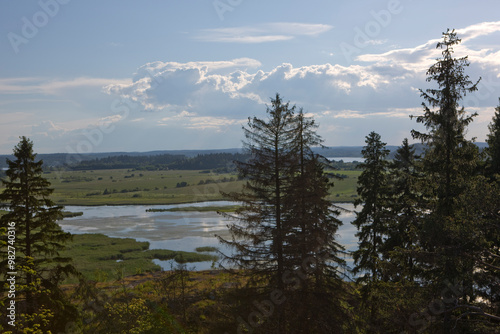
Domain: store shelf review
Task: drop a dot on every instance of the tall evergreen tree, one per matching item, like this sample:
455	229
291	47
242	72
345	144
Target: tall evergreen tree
315	300
38	241
450	232
371	220
259	237
371	223
450	157
404	224
284	238
493	140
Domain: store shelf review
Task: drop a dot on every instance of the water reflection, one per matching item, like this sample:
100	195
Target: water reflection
183	231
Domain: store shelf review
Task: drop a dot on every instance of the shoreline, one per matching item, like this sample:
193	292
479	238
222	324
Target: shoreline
176	203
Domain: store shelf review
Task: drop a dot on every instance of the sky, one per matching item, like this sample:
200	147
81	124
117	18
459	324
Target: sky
120	75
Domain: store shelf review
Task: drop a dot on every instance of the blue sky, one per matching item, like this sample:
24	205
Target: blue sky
120	75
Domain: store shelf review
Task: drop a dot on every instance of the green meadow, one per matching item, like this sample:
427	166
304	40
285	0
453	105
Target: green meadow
124	186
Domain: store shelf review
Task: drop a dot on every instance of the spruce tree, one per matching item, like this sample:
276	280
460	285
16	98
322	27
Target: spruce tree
404	224
284	234
314	255
493	140
451	237
449	157
371	223
38	241
259	236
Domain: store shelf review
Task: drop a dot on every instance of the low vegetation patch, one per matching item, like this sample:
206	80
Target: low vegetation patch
206	249
102	258
67	214
226	208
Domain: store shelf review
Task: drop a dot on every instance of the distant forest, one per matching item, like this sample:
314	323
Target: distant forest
178	159
160	160
218	161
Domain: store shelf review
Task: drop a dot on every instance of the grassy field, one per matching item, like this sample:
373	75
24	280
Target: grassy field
344	190
115	187
101	258
122	186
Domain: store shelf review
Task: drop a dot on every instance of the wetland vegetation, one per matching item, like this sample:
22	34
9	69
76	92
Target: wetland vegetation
102	258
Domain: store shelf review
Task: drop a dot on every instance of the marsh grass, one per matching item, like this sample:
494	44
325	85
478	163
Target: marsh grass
103	258
207	249
122	187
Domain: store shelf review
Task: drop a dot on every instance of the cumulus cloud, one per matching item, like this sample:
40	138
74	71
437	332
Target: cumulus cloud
419	58
262	33
216	95
202	90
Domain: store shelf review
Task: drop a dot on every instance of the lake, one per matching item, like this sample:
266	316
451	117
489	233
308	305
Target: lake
346	159
183	231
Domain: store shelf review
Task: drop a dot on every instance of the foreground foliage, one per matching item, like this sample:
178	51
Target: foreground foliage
31	254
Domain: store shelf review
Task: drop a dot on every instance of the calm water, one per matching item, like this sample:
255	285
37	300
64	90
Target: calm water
347	159
183	231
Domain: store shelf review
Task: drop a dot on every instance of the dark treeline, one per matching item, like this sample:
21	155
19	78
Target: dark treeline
212	161
223	162
127	161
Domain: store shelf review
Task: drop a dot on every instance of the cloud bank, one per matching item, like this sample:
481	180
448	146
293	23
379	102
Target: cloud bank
378	89
206	102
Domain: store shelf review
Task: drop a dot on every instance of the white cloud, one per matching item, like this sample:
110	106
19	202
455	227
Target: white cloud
195	89
376	41
392	113
478	30
47	129
218	124
419	58
262	33
38	85
347	114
